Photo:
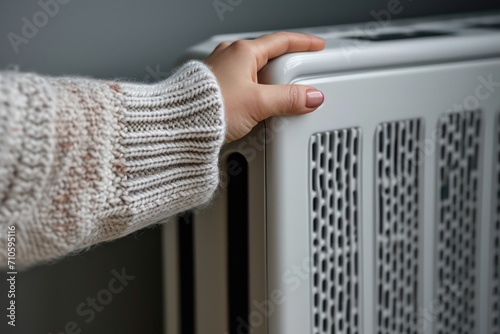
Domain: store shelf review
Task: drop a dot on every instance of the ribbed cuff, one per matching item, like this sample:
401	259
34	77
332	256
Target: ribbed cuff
170	137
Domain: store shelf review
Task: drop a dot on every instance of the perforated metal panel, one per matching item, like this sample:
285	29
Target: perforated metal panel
335	215
397	195
495	279
457	221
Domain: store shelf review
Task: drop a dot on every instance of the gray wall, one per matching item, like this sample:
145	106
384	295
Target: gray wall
129	39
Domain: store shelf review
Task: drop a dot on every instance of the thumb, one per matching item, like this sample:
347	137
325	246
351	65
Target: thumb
289	100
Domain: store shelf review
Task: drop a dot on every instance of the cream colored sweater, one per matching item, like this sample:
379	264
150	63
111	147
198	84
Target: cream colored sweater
84	161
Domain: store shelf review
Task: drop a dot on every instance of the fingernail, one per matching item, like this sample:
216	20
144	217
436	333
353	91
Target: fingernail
314	98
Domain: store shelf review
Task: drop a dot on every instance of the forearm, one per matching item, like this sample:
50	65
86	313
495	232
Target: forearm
84	161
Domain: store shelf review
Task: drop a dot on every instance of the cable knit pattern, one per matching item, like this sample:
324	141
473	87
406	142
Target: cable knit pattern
84	161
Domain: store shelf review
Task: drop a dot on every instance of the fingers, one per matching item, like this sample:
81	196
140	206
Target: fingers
271	46
236	65
288	100
219	47
282	42
276	44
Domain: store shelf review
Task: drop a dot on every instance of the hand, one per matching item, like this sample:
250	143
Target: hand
246	101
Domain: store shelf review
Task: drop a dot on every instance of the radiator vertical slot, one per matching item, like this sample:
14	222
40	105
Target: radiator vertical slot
495	264
186	272
397	193
457	222
238	256
334	190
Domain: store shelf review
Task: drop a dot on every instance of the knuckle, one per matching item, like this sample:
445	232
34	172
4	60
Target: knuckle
260	110
293	96
223	45
240	44
282	34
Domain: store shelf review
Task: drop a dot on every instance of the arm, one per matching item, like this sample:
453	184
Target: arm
84	161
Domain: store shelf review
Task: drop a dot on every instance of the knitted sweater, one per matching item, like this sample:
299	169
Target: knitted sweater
84	161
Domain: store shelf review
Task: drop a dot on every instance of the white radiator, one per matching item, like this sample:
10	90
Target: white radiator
377	213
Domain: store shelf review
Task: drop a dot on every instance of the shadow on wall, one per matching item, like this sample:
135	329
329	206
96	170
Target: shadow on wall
113	287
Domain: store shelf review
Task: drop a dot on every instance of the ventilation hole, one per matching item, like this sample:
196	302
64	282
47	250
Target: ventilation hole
381	142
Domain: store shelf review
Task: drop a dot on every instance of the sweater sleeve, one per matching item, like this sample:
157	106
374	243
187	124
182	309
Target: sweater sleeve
84	161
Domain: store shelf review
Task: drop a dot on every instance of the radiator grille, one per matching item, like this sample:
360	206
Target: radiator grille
457	221
397	221
495	309
334	191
